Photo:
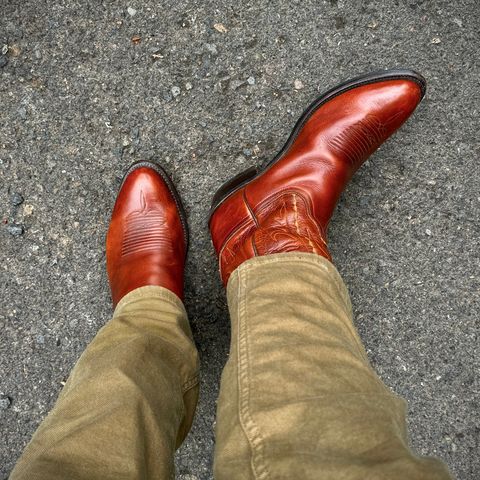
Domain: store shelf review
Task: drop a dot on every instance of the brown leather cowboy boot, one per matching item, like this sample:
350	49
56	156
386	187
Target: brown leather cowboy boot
148	237
286	205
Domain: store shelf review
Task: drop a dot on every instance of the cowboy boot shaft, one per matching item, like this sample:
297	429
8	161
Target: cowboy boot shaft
288	205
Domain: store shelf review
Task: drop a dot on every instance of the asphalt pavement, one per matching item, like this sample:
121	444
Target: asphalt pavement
208	89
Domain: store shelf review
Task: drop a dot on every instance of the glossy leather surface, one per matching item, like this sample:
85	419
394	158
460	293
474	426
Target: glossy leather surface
146	240
288	206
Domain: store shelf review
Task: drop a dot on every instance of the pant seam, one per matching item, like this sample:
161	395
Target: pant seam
190	383
250	428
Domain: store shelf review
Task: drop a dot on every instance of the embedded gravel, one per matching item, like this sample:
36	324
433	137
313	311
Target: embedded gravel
208	89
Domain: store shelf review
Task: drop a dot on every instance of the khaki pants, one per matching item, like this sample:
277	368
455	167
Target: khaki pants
298	397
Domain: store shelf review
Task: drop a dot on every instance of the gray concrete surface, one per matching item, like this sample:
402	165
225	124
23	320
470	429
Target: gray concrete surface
79	101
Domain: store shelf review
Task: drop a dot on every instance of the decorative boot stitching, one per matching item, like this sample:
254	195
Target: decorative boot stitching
358	140
295	209
145	229
255	220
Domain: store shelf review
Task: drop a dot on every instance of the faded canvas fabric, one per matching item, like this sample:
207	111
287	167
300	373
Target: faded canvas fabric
298	396
129	401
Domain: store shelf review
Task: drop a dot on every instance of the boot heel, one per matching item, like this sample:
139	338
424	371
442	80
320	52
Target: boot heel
231	186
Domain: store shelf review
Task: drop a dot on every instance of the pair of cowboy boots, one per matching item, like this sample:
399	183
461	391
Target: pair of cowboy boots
284	206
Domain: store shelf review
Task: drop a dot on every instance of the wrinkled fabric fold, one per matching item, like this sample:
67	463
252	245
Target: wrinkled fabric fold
298	397
129	401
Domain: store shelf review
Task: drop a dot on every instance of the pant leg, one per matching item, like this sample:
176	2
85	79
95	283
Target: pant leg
298	397
129	401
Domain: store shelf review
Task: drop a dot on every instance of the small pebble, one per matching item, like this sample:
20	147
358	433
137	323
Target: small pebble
458	22
212	48
16	199
15	229
298	84
15	50
175	91
220	27
235	84
428	231
27	210
251	80
5	402
131	11
340	22
247	152
3	61
22	112
135	134
4	49
156	53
